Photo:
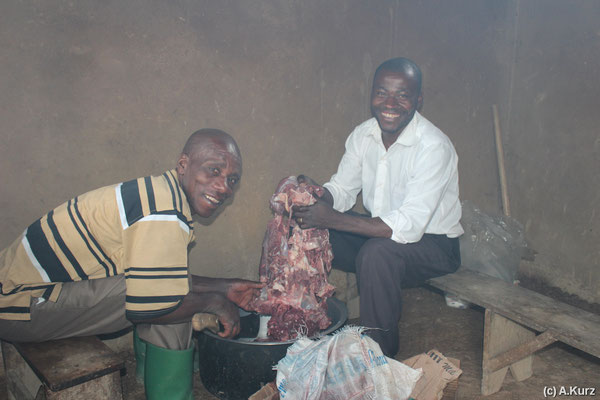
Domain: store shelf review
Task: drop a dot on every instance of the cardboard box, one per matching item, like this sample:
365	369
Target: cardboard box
267	392
438	371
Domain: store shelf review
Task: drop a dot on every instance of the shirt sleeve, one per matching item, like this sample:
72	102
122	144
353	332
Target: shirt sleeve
156	265
430	178
346	183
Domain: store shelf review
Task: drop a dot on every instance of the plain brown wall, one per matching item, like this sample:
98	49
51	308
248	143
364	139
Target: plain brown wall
94	93
553	139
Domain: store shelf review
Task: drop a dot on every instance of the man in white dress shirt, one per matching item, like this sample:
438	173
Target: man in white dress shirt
407	171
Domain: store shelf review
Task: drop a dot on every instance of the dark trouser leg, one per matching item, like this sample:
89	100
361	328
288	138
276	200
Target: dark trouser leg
345	247
384	267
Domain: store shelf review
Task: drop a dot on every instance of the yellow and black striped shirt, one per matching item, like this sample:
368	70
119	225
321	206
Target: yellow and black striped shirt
141	228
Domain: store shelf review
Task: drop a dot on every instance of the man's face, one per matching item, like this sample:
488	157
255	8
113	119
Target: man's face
394	99
209	175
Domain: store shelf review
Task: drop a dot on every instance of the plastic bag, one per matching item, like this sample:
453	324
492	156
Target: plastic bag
343	366
491	245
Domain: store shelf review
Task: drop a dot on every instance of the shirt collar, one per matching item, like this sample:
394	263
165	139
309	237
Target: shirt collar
408	137
185	204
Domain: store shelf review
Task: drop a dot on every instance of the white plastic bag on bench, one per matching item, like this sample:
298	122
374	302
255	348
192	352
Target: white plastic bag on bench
343	366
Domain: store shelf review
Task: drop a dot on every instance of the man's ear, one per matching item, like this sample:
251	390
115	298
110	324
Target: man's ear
182	163
420	102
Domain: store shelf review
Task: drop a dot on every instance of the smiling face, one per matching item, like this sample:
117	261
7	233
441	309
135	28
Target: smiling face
209	173
395	97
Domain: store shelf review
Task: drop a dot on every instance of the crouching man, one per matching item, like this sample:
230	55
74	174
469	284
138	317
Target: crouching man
118	256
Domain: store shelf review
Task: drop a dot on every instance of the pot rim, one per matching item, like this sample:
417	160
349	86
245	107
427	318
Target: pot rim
332	302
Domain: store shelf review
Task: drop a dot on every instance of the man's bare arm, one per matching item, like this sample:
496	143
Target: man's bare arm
208	302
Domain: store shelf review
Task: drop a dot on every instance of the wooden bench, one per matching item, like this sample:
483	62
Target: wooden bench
74	368
513	317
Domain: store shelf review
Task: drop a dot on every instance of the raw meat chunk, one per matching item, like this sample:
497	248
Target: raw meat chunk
294	263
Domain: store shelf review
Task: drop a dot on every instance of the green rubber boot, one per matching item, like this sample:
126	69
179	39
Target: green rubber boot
139	350
168	373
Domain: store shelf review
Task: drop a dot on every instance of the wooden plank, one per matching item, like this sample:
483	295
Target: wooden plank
571	325
102	388
518	353
60	364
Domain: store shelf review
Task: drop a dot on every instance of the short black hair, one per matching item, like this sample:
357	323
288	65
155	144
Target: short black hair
404	65
205	138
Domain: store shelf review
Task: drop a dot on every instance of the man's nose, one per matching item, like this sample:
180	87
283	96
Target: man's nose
224	188
391	101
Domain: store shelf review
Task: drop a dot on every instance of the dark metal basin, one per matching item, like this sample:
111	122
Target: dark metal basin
234	369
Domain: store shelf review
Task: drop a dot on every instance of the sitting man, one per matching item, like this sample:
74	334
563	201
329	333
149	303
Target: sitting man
407	171
118	256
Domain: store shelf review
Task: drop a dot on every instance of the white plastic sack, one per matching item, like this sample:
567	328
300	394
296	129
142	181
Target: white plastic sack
491	245
345	366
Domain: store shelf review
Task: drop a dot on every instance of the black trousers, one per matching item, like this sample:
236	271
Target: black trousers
383	267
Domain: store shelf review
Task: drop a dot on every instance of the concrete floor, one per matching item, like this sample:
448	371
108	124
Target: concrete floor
428	324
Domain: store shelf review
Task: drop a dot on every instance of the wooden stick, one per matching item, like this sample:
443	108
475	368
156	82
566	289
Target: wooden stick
519	352
203	321
500	156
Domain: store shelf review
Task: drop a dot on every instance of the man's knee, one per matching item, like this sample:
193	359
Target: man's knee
373	249
374	258
172	336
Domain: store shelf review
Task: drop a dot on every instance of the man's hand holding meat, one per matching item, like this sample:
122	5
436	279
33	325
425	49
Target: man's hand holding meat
318	215
239	291
242	292
323	215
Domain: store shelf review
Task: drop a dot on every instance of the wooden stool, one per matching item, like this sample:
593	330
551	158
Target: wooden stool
66	369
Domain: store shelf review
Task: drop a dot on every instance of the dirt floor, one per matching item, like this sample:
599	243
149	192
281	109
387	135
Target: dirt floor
428	324
459	334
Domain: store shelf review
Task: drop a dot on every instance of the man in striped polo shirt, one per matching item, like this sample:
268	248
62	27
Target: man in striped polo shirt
118	256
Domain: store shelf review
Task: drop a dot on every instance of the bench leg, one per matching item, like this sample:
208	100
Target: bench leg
21	381
501	334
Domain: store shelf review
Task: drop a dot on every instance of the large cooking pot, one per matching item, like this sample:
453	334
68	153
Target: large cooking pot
234	369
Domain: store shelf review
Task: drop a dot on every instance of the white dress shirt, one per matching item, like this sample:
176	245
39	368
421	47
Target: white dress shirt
412	187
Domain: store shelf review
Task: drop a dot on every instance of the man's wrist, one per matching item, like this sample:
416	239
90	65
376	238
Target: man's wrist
327	196
201	284
339	221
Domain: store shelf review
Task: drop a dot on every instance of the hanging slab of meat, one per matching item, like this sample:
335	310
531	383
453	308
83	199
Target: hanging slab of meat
294	263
